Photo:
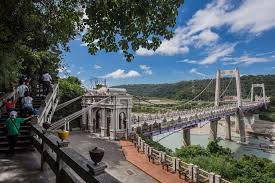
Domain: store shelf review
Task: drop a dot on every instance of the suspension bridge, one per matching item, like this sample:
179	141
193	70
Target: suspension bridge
224	107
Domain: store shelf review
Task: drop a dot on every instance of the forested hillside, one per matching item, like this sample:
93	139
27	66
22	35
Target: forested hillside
189	89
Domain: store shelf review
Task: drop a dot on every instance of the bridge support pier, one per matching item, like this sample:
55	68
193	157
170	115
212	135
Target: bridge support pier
227	128
186	137
213	130
240	126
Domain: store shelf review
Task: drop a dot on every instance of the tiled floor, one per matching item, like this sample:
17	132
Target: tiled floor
141	161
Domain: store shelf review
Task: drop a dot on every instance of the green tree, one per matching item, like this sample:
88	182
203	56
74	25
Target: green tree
69	88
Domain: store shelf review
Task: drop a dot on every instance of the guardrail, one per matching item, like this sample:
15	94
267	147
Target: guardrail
48	106
174	164
68	165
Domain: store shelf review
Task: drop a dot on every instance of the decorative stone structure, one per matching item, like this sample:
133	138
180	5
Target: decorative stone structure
110	118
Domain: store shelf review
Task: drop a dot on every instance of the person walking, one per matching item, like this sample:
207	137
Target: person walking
10	105
46	79
27	104
21	93
13	126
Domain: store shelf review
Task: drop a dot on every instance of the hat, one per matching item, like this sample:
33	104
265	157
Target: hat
13	114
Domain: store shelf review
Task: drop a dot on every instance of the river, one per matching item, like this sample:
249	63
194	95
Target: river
175	141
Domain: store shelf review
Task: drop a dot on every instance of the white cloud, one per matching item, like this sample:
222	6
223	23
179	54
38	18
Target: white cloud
247	60
97	66
188	61
121	74
196	72
68	71
251	16
84	44
61	69
217	53
146	69
273	67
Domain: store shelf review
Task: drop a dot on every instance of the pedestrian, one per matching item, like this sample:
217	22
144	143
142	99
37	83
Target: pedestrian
46	79
9	104
27	104
13	124
21	93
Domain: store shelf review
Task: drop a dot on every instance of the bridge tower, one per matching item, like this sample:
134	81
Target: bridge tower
263	91
239	124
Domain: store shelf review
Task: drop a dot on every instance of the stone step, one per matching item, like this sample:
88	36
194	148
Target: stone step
17	149
20	143
20	137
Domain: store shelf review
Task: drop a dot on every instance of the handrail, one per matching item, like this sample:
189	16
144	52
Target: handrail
60	106
65	160
49	103
75	115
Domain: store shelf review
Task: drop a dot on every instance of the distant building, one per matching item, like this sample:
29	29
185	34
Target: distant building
110	118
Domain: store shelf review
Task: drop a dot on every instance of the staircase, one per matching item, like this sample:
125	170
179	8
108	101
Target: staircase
24	139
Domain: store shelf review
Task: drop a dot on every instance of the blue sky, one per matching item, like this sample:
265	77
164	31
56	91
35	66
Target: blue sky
209	34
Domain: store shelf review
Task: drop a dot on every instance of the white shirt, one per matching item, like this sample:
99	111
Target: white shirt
46	77
27	101
22	89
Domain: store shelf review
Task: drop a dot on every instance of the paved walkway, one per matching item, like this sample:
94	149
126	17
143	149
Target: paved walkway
118	166
24	168
141	161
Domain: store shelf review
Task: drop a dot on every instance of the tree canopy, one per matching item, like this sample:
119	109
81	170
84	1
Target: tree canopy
125	25
34	33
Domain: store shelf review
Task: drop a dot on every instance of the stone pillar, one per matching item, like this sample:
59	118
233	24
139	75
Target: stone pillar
195	174
90	120
213	130
190	171
237	122
186	138
83	125
217	178
227	128
240	126
113	125
263	88
211	177
103	123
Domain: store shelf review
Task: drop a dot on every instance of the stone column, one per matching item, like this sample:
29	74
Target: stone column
103	123
213	130
113	124
227	128
83	125
237	122
186	139
90	120
240	126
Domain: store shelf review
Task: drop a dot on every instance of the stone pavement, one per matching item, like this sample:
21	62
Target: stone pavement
25	168
118	166
142	162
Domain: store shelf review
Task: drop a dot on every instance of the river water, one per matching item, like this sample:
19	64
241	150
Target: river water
175	141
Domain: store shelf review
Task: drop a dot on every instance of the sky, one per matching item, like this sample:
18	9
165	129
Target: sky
209	35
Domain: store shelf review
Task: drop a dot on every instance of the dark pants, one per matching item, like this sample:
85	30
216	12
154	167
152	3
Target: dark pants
20	104
12	139
46	87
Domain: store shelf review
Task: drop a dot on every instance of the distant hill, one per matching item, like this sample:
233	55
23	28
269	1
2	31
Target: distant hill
188	89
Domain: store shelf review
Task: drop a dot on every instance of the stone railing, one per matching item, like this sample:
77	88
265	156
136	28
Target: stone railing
68	165
47	108
174	164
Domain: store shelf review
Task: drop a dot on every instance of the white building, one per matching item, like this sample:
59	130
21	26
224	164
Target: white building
110	118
